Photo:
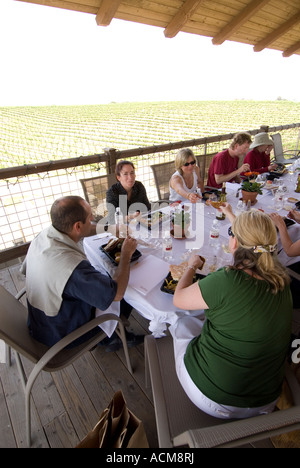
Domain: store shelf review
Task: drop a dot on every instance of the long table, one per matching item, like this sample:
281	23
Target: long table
149	271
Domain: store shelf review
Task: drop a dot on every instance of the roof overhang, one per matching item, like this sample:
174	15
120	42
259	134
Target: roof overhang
273	24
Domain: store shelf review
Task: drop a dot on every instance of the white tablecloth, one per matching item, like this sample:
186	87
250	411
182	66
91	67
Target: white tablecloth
156	305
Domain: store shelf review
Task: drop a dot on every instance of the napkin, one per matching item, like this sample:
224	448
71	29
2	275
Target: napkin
147	273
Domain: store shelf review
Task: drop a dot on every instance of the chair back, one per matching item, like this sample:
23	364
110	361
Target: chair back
280	154
94	190
13	327
278	149
15	333
162	174
204	161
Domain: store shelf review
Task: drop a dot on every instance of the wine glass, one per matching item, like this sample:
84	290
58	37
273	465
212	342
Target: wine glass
212	198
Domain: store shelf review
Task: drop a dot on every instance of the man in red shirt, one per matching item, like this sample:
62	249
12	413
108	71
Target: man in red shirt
224	166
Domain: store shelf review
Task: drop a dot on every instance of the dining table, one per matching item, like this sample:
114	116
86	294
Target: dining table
148	271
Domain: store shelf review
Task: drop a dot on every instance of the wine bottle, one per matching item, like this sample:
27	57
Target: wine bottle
220	215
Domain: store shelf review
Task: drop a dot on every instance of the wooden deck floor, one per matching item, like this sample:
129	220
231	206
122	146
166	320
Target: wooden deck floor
67	404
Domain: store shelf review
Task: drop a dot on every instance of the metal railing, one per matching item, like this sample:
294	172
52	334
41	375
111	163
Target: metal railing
27	192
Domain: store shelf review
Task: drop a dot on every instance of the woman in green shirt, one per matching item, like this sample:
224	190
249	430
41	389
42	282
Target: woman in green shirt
232	365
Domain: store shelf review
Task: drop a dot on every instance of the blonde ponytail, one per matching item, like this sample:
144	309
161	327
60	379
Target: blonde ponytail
256	236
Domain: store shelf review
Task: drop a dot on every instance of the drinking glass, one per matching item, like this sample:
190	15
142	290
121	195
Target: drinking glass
212	197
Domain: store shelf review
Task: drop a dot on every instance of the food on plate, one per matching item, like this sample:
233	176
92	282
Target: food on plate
214	204
113	251
118	257
251	174
153	219
114	244
292	200
178	270
175	274
270	186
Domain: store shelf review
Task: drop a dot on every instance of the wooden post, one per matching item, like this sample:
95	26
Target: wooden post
264	128
112	159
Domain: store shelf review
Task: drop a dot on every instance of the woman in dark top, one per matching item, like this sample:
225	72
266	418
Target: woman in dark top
128	194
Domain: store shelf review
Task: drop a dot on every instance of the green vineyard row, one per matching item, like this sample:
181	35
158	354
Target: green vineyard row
35	134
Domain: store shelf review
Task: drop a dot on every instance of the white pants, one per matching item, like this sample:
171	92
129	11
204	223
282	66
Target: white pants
185	329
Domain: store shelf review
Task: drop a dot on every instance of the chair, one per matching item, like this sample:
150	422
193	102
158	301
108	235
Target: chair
94	190
204	161
180	423
279	153
14	332
162	174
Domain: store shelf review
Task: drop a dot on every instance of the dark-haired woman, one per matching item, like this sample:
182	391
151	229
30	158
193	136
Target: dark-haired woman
128	194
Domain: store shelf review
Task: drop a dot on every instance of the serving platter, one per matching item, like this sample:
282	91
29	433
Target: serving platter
153	220
113	254
169	285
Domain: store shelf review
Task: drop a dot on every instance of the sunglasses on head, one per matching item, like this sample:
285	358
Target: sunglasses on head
190	163
230	233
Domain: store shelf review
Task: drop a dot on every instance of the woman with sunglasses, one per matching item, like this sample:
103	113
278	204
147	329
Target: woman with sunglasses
187	178
231	365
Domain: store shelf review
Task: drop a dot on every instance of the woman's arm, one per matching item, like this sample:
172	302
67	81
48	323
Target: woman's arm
292	249
227	210
295	215
177	184
188	295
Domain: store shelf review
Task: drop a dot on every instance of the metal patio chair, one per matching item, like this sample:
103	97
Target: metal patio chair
14	332
180	423
162	174
204	161
94	190
280	154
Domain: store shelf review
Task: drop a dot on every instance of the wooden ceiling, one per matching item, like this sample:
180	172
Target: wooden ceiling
273	24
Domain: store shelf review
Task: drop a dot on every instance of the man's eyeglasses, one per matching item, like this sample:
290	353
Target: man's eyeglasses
192	163
230	233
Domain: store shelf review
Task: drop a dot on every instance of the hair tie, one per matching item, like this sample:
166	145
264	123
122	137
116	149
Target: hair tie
264	248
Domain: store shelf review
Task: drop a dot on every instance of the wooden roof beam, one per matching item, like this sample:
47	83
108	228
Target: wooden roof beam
182	16
238	21
280	31
291	50
107	12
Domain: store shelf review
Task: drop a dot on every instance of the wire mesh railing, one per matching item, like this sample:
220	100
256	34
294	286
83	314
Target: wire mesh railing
28	192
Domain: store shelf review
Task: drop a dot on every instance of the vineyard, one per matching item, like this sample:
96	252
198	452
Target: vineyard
35	134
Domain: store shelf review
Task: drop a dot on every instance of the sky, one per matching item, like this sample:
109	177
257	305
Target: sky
50	56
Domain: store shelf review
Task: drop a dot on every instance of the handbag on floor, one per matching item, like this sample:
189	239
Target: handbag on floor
117	427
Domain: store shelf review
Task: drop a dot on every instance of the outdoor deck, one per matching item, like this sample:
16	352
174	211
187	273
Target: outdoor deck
67	404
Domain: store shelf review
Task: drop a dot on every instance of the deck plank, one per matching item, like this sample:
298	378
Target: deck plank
7	438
